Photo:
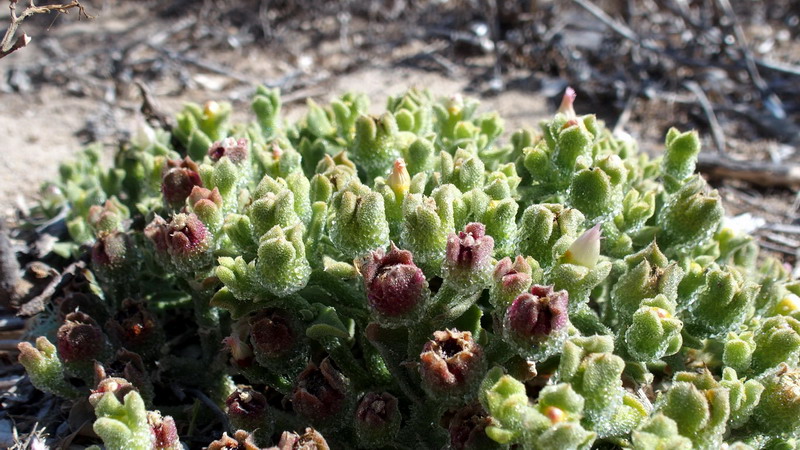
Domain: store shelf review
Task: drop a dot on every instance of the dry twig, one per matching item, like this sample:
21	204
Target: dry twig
9	268
716	130
9	45
152	112
783	228
755	172
777	248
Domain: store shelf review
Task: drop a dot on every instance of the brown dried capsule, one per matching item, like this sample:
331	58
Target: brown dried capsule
467	429
248	410
321	395
377	419
451	365
80	339
136	328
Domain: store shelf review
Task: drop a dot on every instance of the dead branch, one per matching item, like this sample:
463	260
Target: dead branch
205	65
9	268
151	110
777	248
782	240
783	228
625	115
9	45
754	172
779	67
716	130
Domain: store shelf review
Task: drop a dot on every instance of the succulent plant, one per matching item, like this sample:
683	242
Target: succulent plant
408	280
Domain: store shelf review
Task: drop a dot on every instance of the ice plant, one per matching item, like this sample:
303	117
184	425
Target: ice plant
411	280
45	368
777	413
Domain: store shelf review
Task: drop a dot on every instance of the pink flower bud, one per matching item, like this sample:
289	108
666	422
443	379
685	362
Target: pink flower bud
165	434
239	346
399	180
510	279
534	315
468	255
567	100
120	387
555	414
277	151
180	177
241	353
234	149
451	364
569	123
200	194
395	286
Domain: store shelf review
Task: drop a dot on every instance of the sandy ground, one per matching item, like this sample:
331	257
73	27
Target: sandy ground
65	88
37	134
42	129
